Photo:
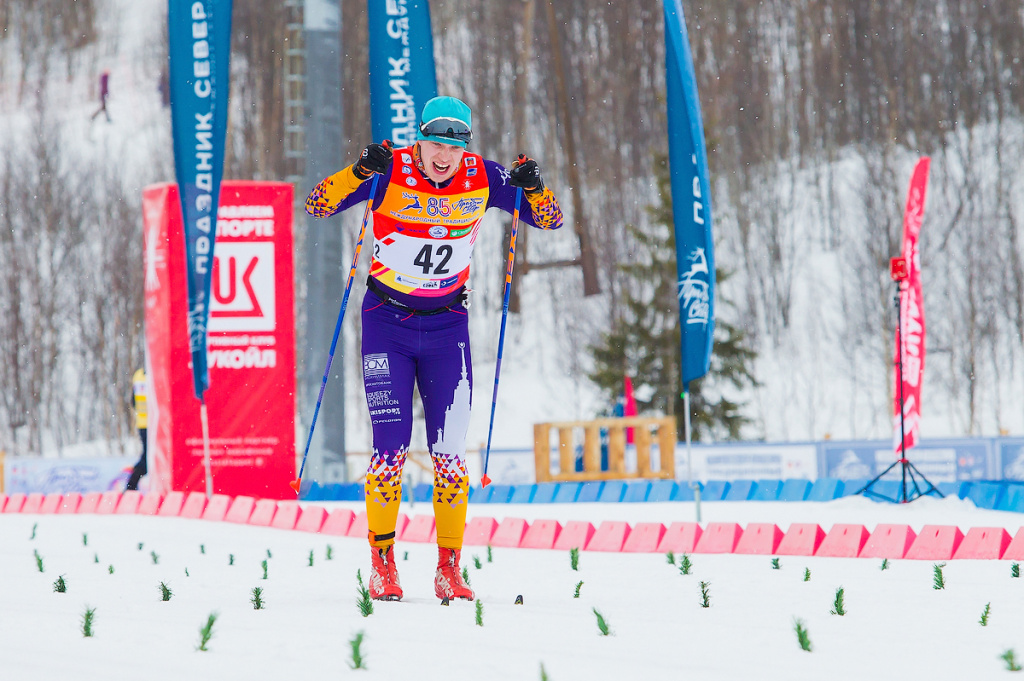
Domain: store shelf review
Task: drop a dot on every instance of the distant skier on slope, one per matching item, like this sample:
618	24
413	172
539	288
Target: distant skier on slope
426	216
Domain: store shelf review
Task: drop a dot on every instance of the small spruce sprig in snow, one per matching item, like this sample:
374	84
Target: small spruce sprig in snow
140	546
465	576
885	564
476	562
110	569
479	613
311	558
257	598
269	555
1015	570
775	564
602	626
34	526
579	585
85	539
705	594
838	605
357	656
543	673
231	559
60	586
156	558
807	574
938	581
685	565
1010	658
490	554
95	557
671	558
574	558
206	632
186	572
87	619
330	552
39	560
165	592
263	564
202	548
364	603
984	614
801	635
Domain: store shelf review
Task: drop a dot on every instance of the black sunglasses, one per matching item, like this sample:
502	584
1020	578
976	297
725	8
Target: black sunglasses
451	128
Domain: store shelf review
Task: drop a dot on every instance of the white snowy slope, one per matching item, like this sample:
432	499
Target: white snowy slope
898	626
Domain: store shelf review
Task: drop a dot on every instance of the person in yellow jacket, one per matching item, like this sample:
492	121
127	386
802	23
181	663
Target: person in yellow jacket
141	423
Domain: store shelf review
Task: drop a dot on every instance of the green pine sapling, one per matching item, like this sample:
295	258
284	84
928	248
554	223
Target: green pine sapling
202	548
87	619
364	602
85	539
156	558
34	526
938	581
579	585
263	564
685	565
231	559
60	586
1010	658
479	613
837	604
476	562
984	614
801	635
705	594
357	656
257	598
96	558
807	574
140	546
671	558
775	564
885	564
1015	570
206	632
165	592
490	555
602	625
39	560
110	569
574	558
330	552
311	558
465	576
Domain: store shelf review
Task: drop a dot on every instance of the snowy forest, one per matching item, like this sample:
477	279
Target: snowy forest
814	111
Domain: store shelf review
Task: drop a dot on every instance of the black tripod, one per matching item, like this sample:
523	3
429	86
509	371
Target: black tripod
898	270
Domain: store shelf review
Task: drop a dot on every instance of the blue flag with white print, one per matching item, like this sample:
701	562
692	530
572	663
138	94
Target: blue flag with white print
691	200
200	49
402	76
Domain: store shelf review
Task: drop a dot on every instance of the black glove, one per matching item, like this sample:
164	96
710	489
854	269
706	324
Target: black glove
525	173
375	159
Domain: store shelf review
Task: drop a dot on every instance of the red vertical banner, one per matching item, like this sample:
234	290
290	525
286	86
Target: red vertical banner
250	351
910	337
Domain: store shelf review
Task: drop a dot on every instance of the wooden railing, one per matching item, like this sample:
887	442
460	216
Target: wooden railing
645	431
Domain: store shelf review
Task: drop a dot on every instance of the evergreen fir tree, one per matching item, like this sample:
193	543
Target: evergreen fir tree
644	341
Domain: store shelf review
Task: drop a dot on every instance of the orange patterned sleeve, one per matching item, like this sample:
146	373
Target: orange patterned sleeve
545	209
325	198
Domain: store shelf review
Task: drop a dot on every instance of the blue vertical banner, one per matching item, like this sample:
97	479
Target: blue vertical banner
402	75
200	50
691	200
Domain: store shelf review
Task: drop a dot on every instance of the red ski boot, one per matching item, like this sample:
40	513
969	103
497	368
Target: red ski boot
384	584
448	580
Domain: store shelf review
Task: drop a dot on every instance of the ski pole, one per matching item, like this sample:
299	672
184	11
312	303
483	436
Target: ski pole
337	328
484	480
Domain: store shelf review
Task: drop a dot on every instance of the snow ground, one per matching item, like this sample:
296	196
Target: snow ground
897	625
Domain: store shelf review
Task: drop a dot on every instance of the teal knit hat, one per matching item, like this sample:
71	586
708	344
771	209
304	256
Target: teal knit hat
446	120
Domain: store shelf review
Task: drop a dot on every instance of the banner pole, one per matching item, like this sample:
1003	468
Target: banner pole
206	449
689	453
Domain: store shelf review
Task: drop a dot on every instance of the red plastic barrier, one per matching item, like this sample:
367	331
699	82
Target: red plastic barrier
90	501
680	538
70	503
719	538
108	503
287	515
760	539
240	510
263	513
644	538
802	539
172	504
195	504
15	502
542	534
33	502
129	504
844	541
1015	550
311	519
51	503
217	507
421	528
986	543
150	504
510	532
575	534
935	542
888	541
479	531
610	536
360	527
338	522
3	502
402	521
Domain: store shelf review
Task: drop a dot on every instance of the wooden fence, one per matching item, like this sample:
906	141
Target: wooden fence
645	432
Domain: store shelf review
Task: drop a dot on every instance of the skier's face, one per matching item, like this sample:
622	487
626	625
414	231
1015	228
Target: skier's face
440	161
